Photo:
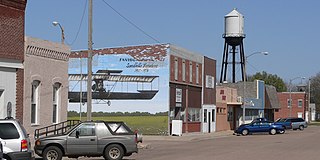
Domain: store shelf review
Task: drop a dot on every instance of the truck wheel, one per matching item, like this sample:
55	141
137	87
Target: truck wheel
52	153
245	132
273	131
113	152
301	128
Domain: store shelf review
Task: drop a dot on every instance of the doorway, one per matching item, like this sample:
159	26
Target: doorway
208	118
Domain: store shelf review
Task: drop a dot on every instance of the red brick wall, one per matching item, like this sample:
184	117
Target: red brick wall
222	123
12	13
187	69
285	110
12	29
192	127
209	96
19	94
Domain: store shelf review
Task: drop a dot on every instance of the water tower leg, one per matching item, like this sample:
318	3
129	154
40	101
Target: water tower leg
223	63
233	64
242	62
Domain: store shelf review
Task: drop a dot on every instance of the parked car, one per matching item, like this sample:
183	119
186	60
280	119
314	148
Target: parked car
15	141
294	123
263	126
298	123
286	123
112	140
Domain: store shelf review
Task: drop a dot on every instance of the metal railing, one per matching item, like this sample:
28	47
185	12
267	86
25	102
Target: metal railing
55	129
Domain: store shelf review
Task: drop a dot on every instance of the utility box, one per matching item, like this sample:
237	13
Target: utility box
176	128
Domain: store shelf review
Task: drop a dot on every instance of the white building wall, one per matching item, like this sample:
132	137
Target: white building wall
7	90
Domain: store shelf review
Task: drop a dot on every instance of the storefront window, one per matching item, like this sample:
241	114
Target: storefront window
193	114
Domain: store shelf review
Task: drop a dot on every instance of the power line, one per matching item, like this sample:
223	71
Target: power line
83	13
134	25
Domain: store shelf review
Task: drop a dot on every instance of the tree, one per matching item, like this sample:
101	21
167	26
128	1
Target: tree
270	79
315	91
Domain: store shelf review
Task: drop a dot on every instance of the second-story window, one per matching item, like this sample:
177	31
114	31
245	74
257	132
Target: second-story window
300	103
197	74
289	103
176	69
190	72
183	70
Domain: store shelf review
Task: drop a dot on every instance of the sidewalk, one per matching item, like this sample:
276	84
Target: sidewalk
194	136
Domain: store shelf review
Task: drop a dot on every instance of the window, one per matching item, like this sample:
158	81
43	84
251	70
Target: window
300	103
55	102
85	130
118	128
288	102
213	115
175	69
197	74
299	116
183	70
210	82
190	72
193	114
205	116
8	131
34	101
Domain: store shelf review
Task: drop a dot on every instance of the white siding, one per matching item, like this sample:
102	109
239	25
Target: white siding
8	89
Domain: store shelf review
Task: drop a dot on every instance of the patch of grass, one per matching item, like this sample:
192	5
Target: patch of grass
148	125
316	123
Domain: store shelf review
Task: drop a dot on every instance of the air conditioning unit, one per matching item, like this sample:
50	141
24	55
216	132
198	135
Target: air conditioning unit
239	99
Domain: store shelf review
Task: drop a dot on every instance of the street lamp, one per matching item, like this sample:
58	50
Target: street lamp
290	89
245	80
55	23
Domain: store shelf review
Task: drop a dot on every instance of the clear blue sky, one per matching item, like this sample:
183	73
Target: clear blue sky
287	29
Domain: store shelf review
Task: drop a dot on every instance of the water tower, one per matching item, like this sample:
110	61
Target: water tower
233	35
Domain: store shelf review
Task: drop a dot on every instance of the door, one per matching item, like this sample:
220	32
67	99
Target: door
208	118
83	140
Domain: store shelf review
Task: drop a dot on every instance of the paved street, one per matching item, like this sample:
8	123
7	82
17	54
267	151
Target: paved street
293	145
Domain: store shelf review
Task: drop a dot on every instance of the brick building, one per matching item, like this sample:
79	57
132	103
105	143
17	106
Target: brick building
299	104
227	102
153	78
12	17
261	101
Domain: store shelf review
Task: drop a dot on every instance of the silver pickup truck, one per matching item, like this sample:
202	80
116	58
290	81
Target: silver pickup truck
112	140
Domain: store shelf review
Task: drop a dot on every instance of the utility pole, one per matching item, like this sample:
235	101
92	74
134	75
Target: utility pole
89	83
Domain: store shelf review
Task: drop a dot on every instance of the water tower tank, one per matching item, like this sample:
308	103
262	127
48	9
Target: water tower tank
234	24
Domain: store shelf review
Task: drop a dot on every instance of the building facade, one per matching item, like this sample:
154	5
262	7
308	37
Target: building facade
228	102
260	100
160	78
45	83
296	109
192	90
12	17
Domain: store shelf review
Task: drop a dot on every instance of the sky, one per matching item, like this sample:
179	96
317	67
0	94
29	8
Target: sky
287	29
